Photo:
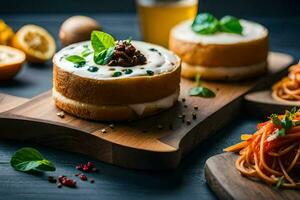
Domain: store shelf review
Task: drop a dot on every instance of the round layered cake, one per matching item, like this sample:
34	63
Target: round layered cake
221	55
118	90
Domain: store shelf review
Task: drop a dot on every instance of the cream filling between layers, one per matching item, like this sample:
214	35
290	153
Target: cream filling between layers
226	71
139	109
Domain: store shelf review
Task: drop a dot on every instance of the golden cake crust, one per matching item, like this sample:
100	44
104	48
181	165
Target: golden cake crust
227	55
119	91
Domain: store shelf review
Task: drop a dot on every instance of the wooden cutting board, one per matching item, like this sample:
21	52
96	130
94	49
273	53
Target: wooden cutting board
157	142
228	183
8	102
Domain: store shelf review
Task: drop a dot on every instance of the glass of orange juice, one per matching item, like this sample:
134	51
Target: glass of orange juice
157	17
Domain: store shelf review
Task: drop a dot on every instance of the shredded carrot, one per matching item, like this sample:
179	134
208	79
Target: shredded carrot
269	156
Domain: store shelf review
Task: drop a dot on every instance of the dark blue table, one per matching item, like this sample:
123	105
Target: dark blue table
187	182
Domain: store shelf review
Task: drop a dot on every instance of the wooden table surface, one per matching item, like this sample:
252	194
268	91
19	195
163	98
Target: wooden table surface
187	182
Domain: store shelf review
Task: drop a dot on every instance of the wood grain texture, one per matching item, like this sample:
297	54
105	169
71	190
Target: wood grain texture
8	102
228	183
144	144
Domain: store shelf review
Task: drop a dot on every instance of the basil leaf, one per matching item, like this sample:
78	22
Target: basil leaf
27	159
287	122
281	132
205	23
231	24
275	120
101	41
78	60
202	92
293	110
103	57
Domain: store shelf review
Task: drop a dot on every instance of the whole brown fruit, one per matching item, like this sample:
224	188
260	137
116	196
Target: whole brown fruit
77	29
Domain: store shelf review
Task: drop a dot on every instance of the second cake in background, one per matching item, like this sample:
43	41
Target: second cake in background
225	49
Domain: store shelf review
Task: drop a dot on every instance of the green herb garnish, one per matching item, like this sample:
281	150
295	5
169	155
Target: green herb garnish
281	132
28	159
207	24
93	69
117	74
86	52
103	45
103	57
129	39
275	119
280	182
231	24
150	73
128	71
77	60
286	123
200	90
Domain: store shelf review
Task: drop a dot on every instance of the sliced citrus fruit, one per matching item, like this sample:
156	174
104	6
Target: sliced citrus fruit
11	61
6	33
37	43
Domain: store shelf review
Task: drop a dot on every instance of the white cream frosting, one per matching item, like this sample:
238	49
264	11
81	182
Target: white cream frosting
251	31
139	108
159	61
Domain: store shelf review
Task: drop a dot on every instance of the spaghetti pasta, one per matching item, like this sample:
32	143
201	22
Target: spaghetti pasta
272	153
288	89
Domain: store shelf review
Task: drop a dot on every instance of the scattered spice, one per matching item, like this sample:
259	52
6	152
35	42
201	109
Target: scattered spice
155	50
51	179
67	181
194	115
180	116
112	126
88	167
61	114
83	177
